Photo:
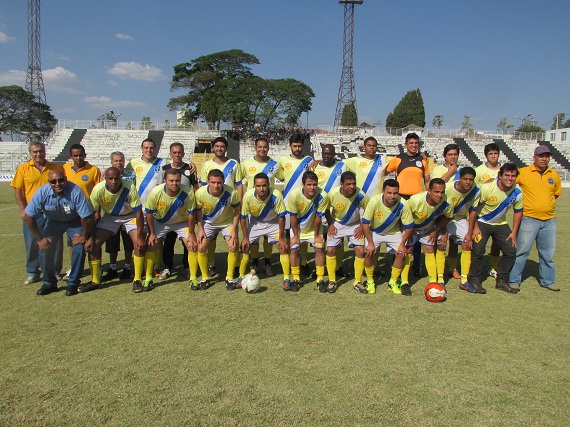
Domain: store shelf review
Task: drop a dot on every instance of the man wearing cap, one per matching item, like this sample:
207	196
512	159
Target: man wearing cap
541	187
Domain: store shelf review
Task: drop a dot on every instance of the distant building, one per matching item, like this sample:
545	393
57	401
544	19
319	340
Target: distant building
557	135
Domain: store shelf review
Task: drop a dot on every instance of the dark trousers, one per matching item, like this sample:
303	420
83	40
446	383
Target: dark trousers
168	251
507	260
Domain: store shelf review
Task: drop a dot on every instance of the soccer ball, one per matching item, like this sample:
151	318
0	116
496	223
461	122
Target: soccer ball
435	292
250	283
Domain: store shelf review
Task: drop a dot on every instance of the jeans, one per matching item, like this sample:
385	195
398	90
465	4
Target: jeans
544	233
48	259
500	234
32	249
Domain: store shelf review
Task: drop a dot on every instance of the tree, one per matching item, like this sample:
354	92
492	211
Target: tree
21	113
503	126
467	126
103	119
410	110
530	127
559	121
349	116
146	124
437	121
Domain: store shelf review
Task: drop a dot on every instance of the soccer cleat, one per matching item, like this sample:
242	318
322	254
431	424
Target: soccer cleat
455	274
46	289
194	285
332	287
89	287
126	274
468	287
322	286
502	285
110	274
32	279
371	287
286	285
211	271
165	274
148	285
268	270
66	276
137	286
204	285
238	283
360	288
230	284
157	272
395	288
493	273
406	290
295	286
480	289
71	290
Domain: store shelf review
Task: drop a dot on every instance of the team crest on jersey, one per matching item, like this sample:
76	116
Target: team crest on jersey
207	205
161	205
230	171
362	165
225	203
321	175
550	181
106	200
252	170
493	200
179	204
288	166
419	164
254	209
301	207
84	178
486	177
339	172
454	200
270	170
378	214
138	170
157	168
512	199
421	214
339	207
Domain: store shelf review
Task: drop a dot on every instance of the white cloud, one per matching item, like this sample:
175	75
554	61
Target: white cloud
112	83
121	36
106	102
5	38
13	77
134	70
59	79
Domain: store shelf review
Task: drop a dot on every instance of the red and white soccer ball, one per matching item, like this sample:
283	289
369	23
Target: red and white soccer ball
250	283
435	292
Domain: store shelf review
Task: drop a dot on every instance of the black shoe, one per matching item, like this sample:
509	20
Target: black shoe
204	285
110	275
322	286
71	290
90	287
137	287
406	290
46	289
480	289
332	287
126	274
502	285
305	270
295	286
230	285
148	286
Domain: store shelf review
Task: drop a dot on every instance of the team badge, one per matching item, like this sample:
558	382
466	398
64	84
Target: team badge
321	175
138	170
339	207
454	200
550	181
421	214
419	164
301	207
207	205
186	230
362	165
133	221
378	214
254	209
84	178
252	170
288	166
187	173
493	200
161	205
486	177
106	200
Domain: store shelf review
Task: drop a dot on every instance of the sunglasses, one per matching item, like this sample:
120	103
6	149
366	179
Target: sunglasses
57	180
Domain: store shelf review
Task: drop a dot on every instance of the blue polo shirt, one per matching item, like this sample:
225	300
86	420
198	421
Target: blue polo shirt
66	207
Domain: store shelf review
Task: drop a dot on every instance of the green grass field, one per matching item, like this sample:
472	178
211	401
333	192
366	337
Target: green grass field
175	357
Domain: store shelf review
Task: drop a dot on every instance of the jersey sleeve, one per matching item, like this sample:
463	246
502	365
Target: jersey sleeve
407	218
280	209
323	205
235	199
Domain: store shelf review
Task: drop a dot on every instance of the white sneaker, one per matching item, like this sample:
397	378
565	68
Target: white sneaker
67	273
165	274
493	273
32	279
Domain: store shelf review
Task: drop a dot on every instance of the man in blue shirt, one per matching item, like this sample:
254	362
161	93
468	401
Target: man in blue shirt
65	209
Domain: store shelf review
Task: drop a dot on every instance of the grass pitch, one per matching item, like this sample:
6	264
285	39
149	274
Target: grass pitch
175	357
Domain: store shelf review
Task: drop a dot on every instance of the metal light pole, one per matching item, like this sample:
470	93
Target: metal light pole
523	120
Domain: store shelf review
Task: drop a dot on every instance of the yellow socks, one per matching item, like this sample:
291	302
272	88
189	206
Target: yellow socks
440	263
243	264
203	263
232	262
95	271
149	258
331	268
296	272
465	265
396	272
431	267
285	265
369	273
359	269
138	262
320	272
193	264
406	270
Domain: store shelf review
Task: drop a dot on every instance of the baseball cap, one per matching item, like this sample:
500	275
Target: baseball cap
541	149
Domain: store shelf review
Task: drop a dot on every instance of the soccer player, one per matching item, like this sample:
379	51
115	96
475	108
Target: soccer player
347	203
117	206
496	198
449	170
369	169
260	163
306	206
29	177
113	243
148	169
218	209
431	213
188	179
170	207
487	172
463	194
383	219
263	214
232	172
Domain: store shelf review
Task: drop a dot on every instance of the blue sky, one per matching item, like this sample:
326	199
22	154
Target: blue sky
487	59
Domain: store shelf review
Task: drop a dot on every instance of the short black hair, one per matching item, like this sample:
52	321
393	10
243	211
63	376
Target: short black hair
77	147
171	171
295	138
220	139
467	170
347	175
309	175
436	181
148	140
261	175
390	183
493	146
216	173
412	135
509	166
450	147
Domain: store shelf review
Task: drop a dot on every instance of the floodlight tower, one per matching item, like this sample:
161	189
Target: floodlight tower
346	91
34	80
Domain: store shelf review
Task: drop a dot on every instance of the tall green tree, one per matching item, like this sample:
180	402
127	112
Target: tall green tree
467	126
503	125
437	121
559	121
21	114
529	127
410	110
146	124
349	117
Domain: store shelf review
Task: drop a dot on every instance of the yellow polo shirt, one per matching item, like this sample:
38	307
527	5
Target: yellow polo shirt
539	192
29	178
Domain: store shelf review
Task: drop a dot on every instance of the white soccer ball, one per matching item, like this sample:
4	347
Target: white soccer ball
250	283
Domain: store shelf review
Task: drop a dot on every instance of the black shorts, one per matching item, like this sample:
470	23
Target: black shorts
113	244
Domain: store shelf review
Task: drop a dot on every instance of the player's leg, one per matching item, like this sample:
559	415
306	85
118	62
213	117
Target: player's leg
99	237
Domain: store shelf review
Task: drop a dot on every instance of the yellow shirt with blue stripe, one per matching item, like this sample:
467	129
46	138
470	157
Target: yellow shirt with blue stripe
462	202
147	175
231	169
495	202
170	209
123	202
329	176
305	210
251	167
440	170
217	211
347	210
386	220
426	215
369	173
263	210
291	171
484	174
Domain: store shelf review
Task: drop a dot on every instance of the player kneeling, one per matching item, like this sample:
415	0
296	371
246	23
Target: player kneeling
117	205
347	203
170	207
263	214
385	216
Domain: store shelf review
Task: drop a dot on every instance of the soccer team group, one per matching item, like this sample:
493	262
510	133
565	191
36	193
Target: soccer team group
152	203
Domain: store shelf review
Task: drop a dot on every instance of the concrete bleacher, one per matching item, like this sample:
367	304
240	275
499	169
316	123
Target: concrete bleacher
12	154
